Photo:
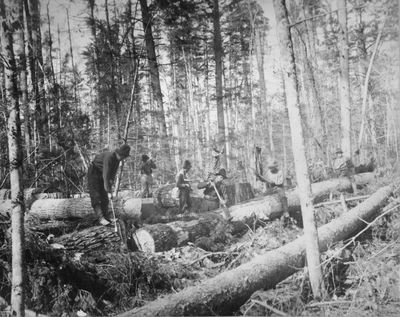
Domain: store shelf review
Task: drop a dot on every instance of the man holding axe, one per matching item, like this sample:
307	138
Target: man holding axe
215	191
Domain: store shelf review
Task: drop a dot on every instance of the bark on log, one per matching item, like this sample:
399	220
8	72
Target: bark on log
270	207
80	208
226	292
237	192
102	238
152	238
163	237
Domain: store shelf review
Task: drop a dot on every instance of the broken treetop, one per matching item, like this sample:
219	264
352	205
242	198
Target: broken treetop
107	163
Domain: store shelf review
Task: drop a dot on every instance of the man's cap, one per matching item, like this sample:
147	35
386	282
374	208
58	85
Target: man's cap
339	150
187	164
222	172
145	157
124	150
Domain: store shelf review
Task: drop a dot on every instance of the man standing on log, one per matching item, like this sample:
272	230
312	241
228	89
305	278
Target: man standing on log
184	188
210	187
344	167
101	174
146	171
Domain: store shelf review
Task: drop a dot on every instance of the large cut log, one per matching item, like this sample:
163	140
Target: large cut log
237	192
80	208
156	237
30	197
270	207
226	292
102	238
162	237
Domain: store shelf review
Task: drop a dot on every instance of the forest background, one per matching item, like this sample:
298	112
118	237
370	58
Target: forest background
89	64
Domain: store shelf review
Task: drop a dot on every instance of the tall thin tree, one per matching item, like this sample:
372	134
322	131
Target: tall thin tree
300	160
11	23
344	80
218	80
154	72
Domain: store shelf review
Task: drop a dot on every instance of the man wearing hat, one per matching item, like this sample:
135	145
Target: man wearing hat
184	188
210	187
146	179
101	174
344	167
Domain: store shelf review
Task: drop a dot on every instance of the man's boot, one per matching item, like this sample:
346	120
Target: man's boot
99	215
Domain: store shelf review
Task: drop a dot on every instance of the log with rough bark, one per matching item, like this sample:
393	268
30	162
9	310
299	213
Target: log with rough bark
163	237
102	238
156	237
226	292
270	207
237	192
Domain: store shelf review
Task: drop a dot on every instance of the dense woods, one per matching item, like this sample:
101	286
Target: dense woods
255	81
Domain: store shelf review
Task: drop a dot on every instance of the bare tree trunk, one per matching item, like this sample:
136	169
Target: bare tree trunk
37	128
155	76
59	76
55	91
218	80
33	13
303	179
365	89
21	64
12	22
344	81
71	52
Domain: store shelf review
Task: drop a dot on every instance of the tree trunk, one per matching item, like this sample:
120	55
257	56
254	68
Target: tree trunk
12	22
34	16
218	81
21	65
80	208
155	76
299	151
209	229
344	81
365	89
226	292
98	238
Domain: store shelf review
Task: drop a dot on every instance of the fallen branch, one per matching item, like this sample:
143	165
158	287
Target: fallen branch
334	202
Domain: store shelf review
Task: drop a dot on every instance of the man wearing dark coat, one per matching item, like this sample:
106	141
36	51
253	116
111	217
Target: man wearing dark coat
184	188
146	179
212	184
101	175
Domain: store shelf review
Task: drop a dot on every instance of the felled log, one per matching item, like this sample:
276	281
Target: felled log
237	192
153	238
163	237
80	208
30	196
95	238
226	292
270	207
